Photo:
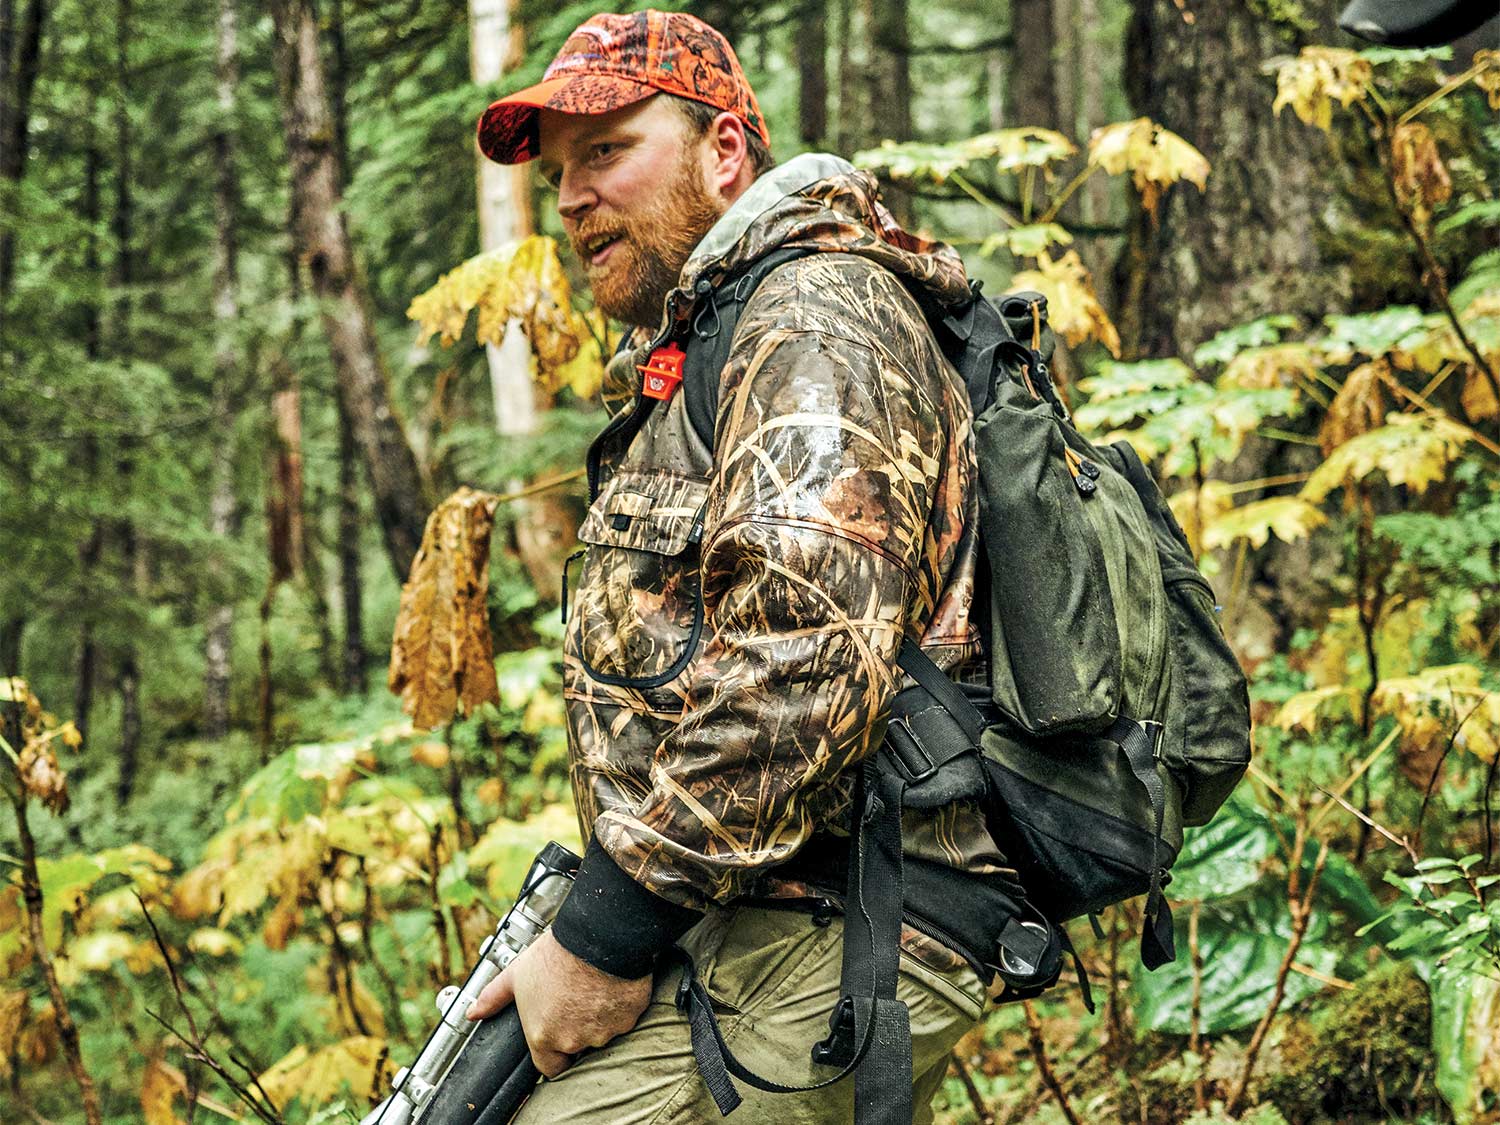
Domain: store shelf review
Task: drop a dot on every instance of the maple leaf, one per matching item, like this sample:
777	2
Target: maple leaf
1307	709
1478	396
1437	705
1420	176
1072	306
442	656
1360	406
1155	157
1277	365
361	1061
1488	79
1026	242
924	162
1410	449
1289	518
1318	77
522	281
1196	508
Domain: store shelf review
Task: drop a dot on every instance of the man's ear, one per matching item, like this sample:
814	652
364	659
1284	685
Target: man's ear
727	157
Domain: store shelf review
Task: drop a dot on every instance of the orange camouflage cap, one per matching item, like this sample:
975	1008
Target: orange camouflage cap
612	61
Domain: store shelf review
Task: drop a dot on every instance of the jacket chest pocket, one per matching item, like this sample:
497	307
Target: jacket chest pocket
639	610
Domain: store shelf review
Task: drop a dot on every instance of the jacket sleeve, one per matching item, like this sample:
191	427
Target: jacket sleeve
816	557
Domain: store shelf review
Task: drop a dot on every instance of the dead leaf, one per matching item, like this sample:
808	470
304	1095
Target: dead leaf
1072	306
1360	406
361	1061
1318	77
1488	79
13	1009
431	753
1155	157
160	1088
1421	177
442	657
1478	398
41	777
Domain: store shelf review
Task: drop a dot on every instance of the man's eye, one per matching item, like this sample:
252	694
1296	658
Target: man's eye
606	149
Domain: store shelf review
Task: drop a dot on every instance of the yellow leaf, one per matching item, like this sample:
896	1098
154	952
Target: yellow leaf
1072	306
93	953
1155	157
362	1062
1410	449
160	1087
1488	79
522	281
442	658
1478	398
1289	518
1421	177
430	753
1316	78
1306	708
14	1007
214	942
1275	366
1442	703
1359	407
1195	509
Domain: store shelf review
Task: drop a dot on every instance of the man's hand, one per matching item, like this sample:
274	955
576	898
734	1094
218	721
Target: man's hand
566	1004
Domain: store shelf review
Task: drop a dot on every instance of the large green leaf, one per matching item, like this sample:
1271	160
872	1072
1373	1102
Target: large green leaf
1242	943
1224	857
1465	1034
1256	334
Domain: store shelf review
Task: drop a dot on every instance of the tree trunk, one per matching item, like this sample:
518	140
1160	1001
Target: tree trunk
220	641
504	216
849	135
401	501
354	680
1032	89
92	549
812	73
890	86
17	80
12	629
128	678
1249	244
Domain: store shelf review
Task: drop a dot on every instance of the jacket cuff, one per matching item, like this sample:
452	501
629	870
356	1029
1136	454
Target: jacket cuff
614	923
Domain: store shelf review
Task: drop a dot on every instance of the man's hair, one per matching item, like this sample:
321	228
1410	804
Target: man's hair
700	116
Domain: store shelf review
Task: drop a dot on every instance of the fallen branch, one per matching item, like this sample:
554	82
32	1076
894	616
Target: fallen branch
985	1116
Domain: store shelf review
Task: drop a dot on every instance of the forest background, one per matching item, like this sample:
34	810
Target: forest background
234	872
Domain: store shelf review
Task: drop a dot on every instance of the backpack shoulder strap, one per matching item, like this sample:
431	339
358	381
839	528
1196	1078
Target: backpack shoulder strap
717	314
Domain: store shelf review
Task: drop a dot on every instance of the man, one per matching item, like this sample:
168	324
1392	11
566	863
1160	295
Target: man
731	648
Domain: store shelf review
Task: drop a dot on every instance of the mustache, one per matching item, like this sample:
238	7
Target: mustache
584	235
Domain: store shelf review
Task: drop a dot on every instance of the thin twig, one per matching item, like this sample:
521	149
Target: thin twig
1195	1023
1301	909
985	1116
1044	1064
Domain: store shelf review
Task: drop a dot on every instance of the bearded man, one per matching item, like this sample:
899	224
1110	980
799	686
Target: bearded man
731	650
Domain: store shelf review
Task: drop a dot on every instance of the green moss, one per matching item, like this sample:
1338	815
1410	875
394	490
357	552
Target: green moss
1366	1056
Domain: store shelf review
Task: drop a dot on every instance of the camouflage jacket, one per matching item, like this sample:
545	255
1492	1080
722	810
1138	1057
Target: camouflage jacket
731	649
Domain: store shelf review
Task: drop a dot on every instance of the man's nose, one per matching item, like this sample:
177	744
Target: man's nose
575	196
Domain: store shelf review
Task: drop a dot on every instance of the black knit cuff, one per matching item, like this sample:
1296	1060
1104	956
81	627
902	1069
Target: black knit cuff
614	923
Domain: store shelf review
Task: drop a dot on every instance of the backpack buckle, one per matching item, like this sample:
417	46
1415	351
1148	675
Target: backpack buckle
911	759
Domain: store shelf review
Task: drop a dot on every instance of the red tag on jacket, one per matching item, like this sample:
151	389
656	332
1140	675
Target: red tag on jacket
662	372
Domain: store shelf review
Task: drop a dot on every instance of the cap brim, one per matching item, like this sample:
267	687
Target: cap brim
508	129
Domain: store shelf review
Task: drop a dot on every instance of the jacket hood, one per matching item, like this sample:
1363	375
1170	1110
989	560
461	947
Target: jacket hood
821	202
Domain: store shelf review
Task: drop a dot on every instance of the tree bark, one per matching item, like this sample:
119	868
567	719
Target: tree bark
322	237
812	73
1251	243
91	550
890	86
220	640
128	679
850	133
17	80
354	680
1032	89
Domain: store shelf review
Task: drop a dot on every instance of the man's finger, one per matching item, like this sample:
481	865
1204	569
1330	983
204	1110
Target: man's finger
550	1063
499	993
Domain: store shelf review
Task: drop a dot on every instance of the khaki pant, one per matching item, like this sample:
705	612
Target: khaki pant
774	978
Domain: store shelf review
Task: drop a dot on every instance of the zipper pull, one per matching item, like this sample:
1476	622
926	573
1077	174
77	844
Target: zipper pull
1083	472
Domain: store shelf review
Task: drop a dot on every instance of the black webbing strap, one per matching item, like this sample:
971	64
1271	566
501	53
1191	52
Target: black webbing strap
871	1029
1139	741
714	319
919	666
